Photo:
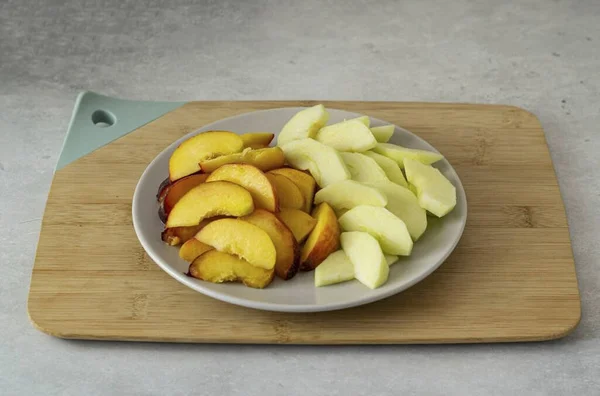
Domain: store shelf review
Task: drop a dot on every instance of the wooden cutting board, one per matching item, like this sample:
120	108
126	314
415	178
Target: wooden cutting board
511	278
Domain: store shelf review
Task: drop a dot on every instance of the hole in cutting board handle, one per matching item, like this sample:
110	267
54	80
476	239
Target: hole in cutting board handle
103	118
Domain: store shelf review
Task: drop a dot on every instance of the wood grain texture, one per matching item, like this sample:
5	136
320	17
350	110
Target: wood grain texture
511	278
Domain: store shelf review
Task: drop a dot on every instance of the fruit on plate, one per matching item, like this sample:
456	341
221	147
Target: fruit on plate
323	162
305	182
323	240
184	160
218	267
349	193
242	239
209	200
404	204
389	230
363	169
350	135
177	235
383	133
399	153
252	179
257	139
286	248
435	193
363	251
192	249
303	124
264	159
299	222
336	268
288	193
389	166
174	191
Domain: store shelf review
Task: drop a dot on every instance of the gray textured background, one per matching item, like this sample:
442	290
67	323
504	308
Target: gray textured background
541	55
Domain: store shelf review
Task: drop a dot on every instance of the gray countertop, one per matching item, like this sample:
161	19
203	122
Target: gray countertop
541	55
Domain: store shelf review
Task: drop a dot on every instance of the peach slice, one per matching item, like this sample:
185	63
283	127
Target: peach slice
305	182
184	160
264	159
192	249
299	222
218	267
209	200
289	194
286	247
178	189
323	240
177	235
253	180
257	139
242	239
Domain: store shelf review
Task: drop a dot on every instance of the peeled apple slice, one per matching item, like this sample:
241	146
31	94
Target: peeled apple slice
304	124
399	153
434	192
370	267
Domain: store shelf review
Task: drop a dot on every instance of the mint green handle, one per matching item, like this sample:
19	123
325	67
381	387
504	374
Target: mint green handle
98	120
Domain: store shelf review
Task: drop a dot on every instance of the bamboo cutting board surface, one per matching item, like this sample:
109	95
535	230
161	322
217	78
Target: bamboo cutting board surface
511	278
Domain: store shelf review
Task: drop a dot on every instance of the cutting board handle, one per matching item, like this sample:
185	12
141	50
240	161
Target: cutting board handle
98	120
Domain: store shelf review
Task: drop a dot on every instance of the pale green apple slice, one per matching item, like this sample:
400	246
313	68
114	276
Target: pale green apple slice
399	153
388	229
336	268
323	162
304	124
389	166
383	133
368	261
390	259
350	135
405	205
347	194
435	193
364	169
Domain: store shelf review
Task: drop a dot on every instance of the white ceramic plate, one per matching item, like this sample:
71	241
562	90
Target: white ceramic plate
298	294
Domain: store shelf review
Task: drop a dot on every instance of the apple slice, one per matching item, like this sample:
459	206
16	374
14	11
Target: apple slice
390	231
389	166
184	160
399	153
288	193
323	162
299	222
242	239
435	193
348	193
305	182
323	240
351	135
383	133
287	250
253	180
257	139
177	235
264	159
218	267
363	251
390	259
176	190
404	204
209	200
336	268
304	124
362	168
192	249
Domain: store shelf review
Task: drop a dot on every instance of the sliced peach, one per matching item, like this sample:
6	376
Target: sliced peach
242	239
209	200
257	139
323	240
177	235
264	159
178	189
253	180
218	267
184	160
286	247
192	249
299	222
288	193
305	182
